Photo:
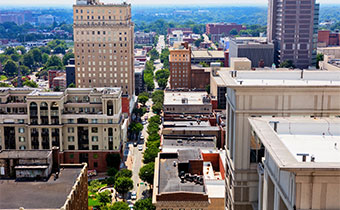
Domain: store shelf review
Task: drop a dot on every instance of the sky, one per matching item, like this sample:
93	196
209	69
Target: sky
148	2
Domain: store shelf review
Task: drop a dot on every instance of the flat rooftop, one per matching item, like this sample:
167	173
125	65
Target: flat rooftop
281	78
173	124
18	154
176	97
187	142
207	54
318	138
169	180
38	195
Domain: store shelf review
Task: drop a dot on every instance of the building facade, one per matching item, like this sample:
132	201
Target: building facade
142	38
103	42
260	54
180	66
219	30
327	38
70	72
274	94
292	27
298	159
86	124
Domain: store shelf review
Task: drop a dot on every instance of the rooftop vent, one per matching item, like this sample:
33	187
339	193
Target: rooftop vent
304	156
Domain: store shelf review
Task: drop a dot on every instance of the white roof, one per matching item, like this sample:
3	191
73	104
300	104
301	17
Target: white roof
282	78
175	98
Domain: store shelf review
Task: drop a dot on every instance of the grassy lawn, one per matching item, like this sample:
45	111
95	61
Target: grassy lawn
93	200
3	77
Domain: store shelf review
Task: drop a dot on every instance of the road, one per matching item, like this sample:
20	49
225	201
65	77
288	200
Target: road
161	44
136	157
206	39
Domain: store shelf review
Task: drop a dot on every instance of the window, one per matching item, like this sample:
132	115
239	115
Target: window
95	164
70	121
94	130
94	121
21	121
21	139
22	147
70	130
21	130
70	139
94	138
95	156
110	121
71	147
71	156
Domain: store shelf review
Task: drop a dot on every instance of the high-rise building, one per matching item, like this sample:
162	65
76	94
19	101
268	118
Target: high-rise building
180	66
292	27
103	43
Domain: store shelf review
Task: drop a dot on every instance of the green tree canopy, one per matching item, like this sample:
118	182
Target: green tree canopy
150	154
124	173
67	57
155	119
287	64
94	186
117	206
11	68
157	108
143	98
113	160
154	55
233	32
37	55
28	59
146	173
54	61
123	185
144	204
104	197
22	49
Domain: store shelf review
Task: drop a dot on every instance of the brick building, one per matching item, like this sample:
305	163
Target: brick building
180	66
219	30
327	38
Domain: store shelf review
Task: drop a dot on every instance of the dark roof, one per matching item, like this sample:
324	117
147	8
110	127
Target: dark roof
184	155
181	141
38	195
169	180
19	154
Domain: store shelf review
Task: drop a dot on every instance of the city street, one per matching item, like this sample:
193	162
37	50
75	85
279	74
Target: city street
160	44
136	158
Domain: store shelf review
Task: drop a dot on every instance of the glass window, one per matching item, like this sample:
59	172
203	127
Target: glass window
70	139
22	147
21	139
94	121
94	130
70	130
70	120
94	138
21	130
21	121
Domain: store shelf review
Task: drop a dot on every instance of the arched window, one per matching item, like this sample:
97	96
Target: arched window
110	108
33	109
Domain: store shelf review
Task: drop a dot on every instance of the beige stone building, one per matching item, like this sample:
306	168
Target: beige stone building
180	66
268	93
85	123
103	45
299	165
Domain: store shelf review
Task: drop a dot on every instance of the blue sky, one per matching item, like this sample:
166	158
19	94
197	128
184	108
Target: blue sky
148	2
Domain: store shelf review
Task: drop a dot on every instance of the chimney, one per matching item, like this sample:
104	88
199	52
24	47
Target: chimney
56	159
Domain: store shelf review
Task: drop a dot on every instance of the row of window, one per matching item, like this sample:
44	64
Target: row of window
92	17
105	81
98	11
122	69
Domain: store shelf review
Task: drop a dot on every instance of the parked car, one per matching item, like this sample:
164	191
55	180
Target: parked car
133	195
135	144
140	147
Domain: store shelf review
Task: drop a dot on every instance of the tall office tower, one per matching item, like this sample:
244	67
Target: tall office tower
103	43
180	66
292	27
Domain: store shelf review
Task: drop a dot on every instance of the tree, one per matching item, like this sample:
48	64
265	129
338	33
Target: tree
67	57
10	51
154	55
22	49
233	32
2	84
37	55
146	173
124	173
207	88
153	128
28	60
155	119
94	186
144	204
54	61
157	108
165	58
113	160
104	197
117	206
135	128
30	83
287	64
123	185
198	42
143	98
72	85
319	57
158	96
44	58
154	137
15	57
162	74
204	64
10	68
150	154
